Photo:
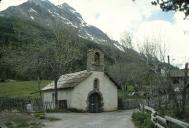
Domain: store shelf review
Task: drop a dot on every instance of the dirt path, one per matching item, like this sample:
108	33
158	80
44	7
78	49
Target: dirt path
121	119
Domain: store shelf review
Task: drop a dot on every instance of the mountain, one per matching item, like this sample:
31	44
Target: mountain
26	28
45	13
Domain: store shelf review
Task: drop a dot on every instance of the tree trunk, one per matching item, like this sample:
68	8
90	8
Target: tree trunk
39	86
56	92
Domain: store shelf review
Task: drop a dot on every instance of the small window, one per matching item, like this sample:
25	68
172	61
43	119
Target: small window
96	84
63	104
97	58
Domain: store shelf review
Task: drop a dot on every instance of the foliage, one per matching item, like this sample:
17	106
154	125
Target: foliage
20	88
142	120
19	56
186	119
33	41
173	5
130	88
35	49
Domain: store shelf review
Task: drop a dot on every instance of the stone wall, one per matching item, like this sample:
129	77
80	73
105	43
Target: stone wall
91	65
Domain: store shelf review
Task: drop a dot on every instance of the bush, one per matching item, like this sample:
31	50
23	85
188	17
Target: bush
142	120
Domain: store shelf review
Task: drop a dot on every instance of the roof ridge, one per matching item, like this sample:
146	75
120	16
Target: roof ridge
69	80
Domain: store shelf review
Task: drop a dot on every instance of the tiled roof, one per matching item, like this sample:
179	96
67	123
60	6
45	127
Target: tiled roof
69	80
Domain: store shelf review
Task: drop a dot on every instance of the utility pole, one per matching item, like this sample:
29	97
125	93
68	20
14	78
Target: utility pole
168	59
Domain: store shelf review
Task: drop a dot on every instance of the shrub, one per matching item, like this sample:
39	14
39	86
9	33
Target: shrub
142	120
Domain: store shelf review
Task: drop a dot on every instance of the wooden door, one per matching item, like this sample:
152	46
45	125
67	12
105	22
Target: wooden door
94	103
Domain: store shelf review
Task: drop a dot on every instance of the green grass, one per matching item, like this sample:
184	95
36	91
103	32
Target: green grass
142	120
130	88
186	119
20	88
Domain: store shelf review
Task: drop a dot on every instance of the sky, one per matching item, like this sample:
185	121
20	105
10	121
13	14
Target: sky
144	21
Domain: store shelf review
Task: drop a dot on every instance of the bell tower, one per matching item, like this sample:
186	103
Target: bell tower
95	60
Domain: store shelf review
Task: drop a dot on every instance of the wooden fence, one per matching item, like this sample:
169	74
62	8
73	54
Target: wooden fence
163	122
20	104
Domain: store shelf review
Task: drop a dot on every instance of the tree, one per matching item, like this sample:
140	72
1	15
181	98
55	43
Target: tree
126	41
2	52
61	53
128	68
155	52
5	71
47	58
173	5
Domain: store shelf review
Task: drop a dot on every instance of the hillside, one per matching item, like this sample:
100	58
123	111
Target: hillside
20	88
45	13
25	30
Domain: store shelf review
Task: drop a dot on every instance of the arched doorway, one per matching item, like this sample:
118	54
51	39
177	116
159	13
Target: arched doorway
97	58
95	103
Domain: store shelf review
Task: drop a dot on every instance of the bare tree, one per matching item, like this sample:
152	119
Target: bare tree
126	41
62	52
51	58
155	52
154	47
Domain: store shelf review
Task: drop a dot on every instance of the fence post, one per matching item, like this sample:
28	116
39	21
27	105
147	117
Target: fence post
142	107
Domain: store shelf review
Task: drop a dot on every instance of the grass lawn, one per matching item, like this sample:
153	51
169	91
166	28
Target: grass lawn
20	88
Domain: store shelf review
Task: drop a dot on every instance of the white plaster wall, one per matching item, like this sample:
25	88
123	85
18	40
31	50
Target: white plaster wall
62	95
47	100
110	94
65	95
106	87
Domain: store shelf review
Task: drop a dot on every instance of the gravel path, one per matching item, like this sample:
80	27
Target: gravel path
121	119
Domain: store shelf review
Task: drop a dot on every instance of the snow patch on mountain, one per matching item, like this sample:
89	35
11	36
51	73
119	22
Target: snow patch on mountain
32	10
70	23
32	17
83	23
119	47
50	11
64	13
90	36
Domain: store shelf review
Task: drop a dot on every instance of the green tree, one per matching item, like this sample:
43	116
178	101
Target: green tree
173	5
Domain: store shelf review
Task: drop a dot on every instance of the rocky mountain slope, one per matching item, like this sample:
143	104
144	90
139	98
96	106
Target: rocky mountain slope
26	28
45	13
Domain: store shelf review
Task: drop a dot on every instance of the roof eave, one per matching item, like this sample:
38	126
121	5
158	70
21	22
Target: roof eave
117	85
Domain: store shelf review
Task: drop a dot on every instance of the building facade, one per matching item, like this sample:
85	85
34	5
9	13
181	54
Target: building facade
91	90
